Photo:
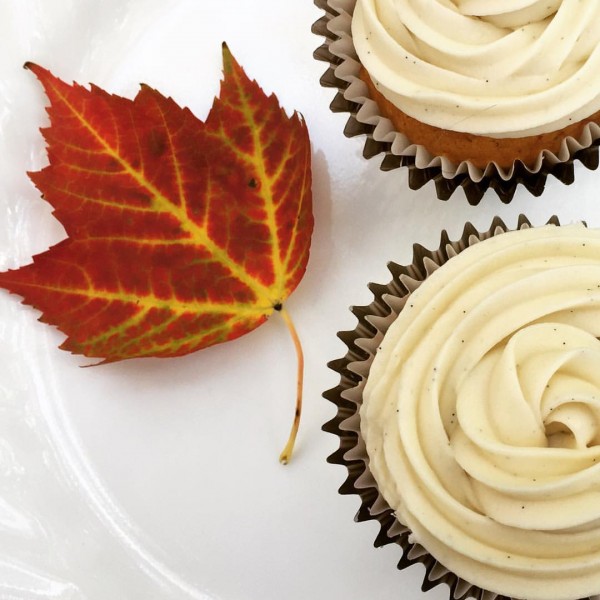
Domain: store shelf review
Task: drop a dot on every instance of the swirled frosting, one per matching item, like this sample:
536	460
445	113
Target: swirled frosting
502	68
481	414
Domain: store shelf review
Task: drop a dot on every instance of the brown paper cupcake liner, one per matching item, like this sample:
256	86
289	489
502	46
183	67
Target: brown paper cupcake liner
364	120
353	369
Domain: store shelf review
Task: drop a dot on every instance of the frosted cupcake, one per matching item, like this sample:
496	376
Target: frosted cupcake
469	412
492	92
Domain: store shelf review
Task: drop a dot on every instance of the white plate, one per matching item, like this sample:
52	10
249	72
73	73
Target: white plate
159	478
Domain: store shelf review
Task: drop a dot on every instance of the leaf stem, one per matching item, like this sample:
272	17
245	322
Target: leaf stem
286	455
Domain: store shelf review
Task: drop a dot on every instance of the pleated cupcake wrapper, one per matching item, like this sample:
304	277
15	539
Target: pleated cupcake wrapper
353	369
381	137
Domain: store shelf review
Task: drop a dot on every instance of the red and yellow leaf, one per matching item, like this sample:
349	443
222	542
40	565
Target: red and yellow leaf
181	234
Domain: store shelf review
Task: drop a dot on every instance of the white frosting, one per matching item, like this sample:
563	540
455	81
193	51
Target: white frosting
481	413
505	68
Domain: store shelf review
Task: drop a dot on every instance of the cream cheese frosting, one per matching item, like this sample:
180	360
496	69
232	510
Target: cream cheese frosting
501	68
481	413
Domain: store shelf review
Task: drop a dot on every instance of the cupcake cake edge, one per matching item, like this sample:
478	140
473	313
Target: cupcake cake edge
366	118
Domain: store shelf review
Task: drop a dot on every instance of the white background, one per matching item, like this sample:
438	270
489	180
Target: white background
159	479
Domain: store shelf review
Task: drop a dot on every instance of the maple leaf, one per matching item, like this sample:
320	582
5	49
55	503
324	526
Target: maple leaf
181	233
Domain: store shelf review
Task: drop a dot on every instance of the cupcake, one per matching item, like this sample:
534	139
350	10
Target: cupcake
469	412
471	93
